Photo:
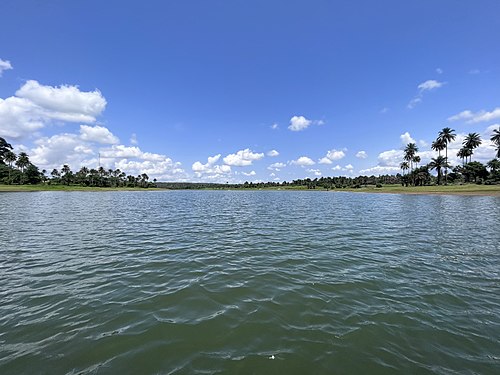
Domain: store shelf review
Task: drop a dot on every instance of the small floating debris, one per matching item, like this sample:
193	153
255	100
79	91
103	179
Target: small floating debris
272	357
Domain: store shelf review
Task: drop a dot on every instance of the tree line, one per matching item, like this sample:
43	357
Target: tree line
469	171
18	169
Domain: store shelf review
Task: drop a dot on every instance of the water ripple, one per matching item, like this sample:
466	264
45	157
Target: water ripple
202	282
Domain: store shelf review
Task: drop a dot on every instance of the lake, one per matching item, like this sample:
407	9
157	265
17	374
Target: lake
248	282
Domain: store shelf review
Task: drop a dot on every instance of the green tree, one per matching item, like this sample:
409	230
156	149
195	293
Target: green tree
10	158
447	135
437	164
495	138
410	152
463	154
438	145
472	141
22	161
4	148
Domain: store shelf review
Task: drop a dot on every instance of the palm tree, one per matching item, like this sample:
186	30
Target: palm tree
493	165
10	158
438	145
4	147
464	153
472	141
495	138
404	166
447	135
416	160
410	151
437	164
22	161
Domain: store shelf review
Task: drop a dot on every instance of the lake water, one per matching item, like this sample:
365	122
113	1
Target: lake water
256	282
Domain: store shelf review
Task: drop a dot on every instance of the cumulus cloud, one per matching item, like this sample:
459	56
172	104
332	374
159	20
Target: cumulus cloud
273	153
332	155
481	116
276	166
361	155
4	65
210	169
428	85
298	123
303	161
98	134
34	106
252	173
406	138
316	172
242	158
337	168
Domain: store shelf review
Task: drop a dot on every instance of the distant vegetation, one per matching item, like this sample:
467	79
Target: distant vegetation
18	170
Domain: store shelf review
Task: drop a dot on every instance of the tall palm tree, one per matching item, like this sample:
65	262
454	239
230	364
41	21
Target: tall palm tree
416	160
437	164
464	153
22	161
495	138
10	158
410	151
472	141
493	165
447	135
438	145
4	147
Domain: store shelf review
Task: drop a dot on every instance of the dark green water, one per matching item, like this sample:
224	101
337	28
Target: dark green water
203	282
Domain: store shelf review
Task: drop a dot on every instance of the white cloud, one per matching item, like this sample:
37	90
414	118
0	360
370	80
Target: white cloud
252	173
36	106
384	110
337	168
242	158
273	153
210	170
406	138
390	158
98	134
349	167
65	102
481	116
332	155
439	71
378	170
303	161
325	160
362	155
414	102
298	123
4	65
274	126
276	166
316	172
430	84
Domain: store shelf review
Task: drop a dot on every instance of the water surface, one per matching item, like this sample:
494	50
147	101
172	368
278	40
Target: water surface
187	282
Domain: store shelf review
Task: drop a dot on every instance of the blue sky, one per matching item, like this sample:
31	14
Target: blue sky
207	90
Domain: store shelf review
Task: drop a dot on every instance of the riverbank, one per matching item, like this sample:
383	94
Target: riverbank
32	188
466	189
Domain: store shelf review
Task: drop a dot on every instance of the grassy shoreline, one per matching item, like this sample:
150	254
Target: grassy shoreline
467	189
